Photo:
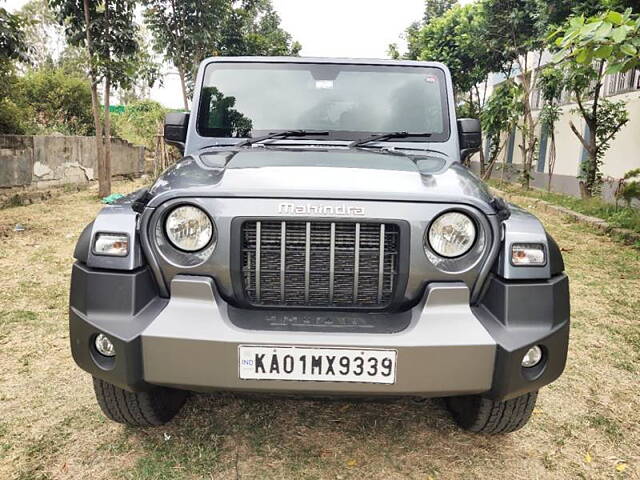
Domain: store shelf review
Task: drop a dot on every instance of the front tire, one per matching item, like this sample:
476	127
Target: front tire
138	409
483	415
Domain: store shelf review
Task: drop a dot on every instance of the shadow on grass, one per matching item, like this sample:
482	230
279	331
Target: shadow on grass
222	435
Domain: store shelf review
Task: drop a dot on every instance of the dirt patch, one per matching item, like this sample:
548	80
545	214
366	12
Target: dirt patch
586	425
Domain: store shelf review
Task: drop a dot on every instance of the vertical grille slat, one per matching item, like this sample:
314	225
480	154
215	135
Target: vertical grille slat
283	257
356	264
381	264
258	259
319	263
332	260
307	260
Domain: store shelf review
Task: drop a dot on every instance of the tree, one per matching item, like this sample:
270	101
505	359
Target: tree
588	49
454	38
43	34
551	85
108	33
184	31
13	47
189	31
58	102
148	71
500	116
436	8
433	9
253	28
516	29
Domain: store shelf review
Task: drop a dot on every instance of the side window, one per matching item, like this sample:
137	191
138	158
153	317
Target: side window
219	118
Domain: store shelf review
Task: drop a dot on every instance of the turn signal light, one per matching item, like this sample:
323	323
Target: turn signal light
528	254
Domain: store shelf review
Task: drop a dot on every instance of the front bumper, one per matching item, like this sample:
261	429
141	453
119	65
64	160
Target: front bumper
445	347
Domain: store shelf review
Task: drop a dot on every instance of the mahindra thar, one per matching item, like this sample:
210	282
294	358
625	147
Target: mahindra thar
320	237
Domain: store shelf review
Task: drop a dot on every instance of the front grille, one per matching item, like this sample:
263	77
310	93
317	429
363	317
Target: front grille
319	263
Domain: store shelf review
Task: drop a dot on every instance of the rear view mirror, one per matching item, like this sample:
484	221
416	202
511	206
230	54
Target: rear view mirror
175	129
470	137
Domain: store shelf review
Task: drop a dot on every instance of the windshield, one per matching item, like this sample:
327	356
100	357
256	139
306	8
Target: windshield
348	101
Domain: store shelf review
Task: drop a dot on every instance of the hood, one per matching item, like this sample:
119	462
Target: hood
323	174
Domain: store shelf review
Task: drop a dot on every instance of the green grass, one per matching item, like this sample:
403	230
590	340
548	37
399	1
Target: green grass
617	216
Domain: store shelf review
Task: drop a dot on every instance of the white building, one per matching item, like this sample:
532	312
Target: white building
622	156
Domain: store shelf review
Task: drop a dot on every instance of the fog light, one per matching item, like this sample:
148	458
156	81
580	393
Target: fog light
104	346
532	357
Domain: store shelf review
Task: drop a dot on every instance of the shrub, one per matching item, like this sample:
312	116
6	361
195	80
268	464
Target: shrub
61	102
140	122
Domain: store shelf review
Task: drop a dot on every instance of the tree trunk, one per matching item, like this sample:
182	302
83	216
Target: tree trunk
591	172
97	123
183	84
552	157
105	187
95	101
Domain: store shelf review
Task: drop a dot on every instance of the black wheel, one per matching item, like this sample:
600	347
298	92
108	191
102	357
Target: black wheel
482	415
138	409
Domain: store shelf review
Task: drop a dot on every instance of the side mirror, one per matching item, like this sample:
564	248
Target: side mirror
470	137
175	129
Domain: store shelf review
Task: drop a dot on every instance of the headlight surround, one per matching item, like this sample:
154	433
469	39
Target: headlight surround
189	228
452	234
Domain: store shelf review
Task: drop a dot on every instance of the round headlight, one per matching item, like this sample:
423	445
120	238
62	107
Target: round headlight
189	228
452	234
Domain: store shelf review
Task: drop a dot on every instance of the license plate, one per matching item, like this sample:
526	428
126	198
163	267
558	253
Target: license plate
317	364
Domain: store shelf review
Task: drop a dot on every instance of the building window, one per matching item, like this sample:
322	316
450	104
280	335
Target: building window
618	83
542	154
584	155
511	145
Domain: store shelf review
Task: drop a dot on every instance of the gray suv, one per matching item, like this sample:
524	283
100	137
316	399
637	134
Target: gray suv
321	236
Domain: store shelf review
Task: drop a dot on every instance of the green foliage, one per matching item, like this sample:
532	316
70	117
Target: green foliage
114	49
140	122
433	9
184	32
60	102
610	36
45	101
500	115
586	50
189	31
515	27
630	187
13	45
551	82
42	33
616	216
503	109
12	109
453	40
253	28
436	8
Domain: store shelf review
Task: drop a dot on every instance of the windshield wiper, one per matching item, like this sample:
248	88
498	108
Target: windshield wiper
283	134
385	136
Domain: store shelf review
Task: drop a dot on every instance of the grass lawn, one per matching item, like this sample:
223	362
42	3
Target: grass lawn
617	216
586	425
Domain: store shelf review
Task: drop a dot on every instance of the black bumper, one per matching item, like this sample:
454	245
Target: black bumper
517	315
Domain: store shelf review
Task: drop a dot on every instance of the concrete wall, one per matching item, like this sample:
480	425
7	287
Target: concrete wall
44	161
622	156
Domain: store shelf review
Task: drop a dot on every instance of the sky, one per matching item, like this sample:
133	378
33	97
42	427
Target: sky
331	28
325	28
